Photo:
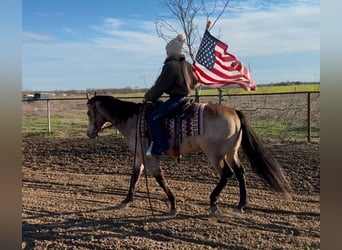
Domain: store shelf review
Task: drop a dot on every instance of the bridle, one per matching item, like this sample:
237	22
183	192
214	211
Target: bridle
95	126
97	129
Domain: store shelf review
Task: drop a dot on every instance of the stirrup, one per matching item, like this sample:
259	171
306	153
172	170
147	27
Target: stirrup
149	149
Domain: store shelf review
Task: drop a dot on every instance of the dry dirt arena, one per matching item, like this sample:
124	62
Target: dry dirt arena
71	188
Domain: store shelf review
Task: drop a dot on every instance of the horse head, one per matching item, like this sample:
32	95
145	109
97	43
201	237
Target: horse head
95	119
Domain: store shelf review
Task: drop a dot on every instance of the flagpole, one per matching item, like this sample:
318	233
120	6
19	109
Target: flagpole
218	89
208	25
198	88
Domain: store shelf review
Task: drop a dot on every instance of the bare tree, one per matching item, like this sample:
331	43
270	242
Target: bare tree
185	12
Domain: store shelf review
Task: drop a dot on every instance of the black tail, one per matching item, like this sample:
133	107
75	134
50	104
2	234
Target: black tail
261	160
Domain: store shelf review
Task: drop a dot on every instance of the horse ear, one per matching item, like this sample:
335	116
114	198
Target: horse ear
87	96
95	93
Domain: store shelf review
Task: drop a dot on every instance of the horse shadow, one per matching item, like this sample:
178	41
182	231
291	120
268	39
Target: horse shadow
76	226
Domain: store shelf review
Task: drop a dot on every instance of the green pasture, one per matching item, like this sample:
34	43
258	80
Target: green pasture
59	126
66	127
76	124
281	130
264	89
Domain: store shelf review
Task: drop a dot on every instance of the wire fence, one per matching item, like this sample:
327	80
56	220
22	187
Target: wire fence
293	116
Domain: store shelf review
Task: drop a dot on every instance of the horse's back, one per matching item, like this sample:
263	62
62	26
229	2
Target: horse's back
221	132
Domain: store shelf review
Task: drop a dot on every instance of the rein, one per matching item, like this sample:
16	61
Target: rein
108	126
95	125
139	128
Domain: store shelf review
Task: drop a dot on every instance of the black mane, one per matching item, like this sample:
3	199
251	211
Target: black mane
119	108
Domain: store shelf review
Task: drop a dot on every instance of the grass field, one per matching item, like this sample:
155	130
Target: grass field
276	116
264	89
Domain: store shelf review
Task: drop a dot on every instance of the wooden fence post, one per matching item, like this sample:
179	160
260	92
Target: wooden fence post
309	116
220	95
48	115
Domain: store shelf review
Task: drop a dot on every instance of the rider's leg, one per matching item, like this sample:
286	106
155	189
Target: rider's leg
160	142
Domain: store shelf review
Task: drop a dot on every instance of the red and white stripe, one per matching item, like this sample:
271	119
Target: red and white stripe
226	70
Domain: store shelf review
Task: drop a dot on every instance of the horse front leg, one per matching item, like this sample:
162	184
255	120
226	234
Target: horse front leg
163	184
136	173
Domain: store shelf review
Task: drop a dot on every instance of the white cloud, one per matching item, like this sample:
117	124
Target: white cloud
37	37
122	52
282	30
129	36
68	30
81	65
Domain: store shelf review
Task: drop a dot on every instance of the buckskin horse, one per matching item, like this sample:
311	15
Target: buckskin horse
225	129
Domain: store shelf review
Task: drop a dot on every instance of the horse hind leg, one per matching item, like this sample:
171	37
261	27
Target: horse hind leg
240	176
226	172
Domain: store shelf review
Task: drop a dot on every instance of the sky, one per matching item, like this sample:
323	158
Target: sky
91	44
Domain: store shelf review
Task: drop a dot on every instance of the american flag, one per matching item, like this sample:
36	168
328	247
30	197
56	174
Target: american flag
215	67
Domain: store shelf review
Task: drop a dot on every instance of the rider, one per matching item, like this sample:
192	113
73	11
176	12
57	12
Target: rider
176	80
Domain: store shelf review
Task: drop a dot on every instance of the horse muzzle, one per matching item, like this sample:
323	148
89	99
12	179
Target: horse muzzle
92	134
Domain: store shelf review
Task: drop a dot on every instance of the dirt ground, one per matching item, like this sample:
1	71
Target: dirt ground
71	188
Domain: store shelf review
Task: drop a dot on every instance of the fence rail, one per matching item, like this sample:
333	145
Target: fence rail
289	116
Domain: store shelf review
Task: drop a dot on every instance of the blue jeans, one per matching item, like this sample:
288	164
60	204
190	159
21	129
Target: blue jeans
160	141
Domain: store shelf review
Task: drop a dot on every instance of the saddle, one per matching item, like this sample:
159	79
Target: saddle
186	120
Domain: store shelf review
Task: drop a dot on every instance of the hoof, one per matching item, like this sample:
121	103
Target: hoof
241	206
122	205
214	210
239	210
172	212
